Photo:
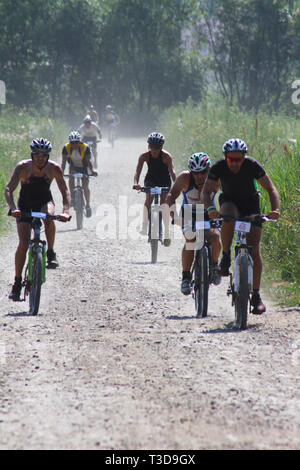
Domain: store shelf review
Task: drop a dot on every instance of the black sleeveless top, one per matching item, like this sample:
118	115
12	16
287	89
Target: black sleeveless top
158	172
35	193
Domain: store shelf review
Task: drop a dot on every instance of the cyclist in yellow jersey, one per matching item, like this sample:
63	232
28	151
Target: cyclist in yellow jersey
78	155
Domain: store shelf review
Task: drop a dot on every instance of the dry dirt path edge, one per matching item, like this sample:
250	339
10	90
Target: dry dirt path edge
116	358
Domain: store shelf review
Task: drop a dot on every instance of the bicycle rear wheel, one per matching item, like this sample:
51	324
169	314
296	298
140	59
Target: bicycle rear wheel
242	296
36	283
79	206
201	282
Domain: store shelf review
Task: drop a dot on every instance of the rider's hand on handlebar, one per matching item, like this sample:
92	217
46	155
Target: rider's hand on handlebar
94	173
138	187
64	217
273	215
16	213
213	214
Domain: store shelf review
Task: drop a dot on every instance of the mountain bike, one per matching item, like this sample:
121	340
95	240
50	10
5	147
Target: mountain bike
241	280
202	269
155	219
35	271
77	197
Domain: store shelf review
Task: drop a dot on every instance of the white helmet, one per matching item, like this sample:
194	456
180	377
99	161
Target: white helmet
74	137
87	119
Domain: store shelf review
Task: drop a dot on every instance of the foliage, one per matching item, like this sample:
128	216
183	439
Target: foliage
272	140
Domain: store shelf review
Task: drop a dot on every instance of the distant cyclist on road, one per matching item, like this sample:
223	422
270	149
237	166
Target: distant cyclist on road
110	116
90	131
78	155
93	114
190	184
110	120
35	176
160	172
238	175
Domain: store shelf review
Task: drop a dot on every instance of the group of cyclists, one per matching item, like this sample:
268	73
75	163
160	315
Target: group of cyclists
235	175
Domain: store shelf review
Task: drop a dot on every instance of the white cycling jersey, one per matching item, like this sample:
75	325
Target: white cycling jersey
91	131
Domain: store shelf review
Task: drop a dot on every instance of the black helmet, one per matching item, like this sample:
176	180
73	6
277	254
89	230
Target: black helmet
156	139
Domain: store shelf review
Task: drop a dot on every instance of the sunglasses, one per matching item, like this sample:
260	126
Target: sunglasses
234	160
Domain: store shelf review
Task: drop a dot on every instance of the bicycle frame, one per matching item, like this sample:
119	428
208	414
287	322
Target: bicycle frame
34	244
155	219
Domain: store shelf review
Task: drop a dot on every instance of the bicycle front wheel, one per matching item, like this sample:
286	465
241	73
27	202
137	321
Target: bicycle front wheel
36	283
201	282
242	296
154	233
79	206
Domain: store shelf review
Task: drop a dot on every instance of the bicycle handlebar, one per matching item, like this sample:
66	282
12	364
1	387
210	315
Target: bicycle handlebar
247	218
154	190
77	175
41	215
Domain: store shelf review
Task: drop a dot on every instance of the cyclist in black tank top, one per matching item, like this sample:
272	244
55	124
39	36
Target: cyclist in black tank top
35	176
160	173
238	175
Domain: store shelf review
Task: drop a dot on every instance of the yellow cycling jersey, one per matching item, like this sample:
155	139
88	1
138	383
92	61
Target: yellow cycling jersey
109	117
82	148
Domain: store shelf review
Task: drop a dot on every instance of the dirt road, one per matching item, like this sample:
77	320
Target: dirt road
116	358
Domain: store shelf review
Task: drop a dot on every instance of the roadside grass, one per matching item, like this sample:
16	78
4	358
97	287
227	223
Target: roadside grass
17	129
272	140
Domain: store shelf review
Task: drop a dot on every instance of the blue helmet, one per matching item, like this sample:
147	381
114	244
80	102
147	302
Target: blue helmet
232	145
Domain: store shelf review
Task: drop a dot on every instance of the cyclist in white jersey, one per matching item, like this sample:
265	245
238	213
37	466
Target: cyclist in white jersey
90	131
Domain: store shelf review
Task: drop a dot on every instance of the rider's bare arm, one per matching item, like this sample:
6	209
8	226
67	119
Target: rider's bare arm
12	185
63	161
87	156
181	184
62	186
169	161
142	159
267	184
209	188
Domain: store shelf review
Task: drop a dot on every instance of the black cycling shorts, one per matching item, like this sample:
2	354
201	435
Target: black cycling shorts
248	207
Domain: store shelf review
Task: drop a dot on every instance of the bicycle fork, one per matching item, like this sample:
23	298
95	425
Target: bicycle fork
31	251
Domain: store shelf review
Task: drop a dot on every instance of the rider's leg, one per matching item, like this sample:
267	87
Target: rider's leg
87	195
213	236
50	230
187	257
166	218
146	209
20	255
227	232
71	187
95	155
253	239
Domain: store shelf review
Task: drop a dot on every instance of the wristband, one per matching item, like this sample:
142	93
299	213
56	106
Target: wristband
211	208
